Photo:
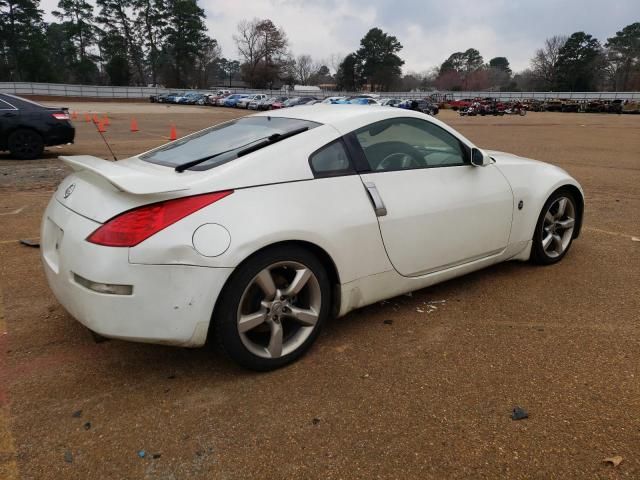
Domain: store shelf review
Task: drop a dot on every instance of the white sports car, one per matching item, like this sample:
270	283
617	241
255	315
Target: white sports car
256	230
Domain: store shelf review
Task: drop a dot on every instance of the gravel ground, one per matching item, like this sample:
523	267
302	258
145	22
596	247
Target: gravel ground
388	391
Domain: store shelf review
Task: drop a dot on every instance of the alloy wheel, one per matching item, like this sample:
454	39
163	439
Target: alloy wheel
279	309
557	226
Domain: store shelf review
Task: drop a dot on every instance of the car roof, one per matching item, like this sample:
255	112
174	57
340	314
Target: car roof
345	117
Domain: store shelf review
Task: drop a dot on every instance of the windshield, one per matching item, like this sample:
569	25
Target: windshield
224	141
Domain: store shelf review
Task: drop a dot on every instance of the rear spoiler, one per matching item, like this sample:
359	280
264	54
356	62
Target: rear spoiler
124	177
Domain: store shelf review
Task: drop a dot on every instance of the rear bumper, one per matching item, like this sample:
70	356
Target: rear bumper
169	304
60	134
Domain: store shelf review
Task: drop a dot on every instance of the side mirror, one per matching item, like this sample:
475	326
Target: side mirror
479	158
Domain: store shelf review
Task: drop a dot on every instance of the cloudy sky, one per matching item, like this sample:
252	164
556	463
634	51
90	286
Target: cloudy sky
429	30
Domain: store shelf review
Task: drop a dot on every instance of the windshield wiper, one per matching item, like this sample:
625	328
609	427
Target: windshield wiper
192	163
276	137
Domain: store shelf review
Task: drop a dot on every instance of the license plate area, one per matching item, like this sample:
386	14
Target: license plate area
52	243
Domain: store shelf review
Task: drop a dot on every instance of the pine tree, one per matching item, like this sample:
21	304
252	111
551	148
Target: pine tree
78	23
121	30
23	46
184	37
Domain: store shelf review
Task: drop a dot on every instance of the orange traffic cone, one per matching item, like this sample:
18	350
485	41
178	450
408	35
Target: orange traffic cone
134	125
173	135
106	121
95	119
74	115
87	118
101	128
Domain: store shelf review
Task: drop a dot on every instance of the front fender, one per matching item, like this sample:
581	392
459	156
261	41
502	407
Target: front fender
532	183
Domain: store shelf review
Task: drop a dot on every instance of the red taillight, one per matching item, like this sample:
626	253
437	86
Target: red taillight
130	228
61	116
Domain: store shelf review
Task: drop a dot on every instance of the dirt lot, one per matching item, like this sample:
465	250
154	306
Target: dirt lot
428	395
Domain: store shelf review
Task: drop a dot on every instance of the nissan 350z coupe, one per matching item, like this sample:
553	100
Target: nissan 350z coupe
256	230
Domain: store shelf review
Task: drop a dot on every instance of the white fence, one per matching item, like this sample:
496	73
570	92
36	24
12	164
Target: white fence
104	92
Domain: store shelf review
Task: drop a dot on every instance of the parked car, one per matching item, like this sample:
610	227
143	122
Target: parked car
332	100
631	106
363	101
303	101
265	103
191	98
172	97
152	253
27	127
279	103
232	100
290	102
244	102
221	99
390	102
460	104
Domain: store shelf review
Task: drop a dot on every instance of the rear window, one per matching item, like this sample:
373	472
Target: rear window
224	141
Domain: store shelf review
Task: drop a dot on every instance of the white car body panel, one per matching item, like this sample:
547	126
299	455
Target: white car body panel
470	219
436	217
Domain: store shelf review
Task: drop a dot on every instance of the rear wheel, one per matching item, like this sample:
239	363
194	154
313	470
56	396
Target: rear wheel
554	230
273	308
25	144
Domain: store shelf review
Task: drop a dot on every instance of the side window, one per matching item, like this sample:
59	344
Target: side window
409	143
5	106
331	160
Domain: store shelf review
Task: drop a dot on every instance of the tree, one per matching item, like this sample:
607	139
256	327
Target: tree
500	63
381	66
150	22
458	69
579	61
207	62
118	26
229	68
499	72
544	65
23	46
624	56
263	48
114	53
77	18
184	38
349	74
304	69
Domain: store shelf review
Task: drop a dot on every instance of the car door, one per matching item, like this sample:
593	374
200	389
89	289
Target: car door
435	210
9	119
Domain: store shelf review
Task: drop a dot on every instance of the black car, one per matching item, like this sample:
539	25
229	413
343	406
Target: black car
424	106
27	127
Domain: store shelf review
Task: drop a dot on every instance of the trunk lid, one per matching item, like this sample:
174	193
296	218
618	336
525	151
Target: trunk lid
100	189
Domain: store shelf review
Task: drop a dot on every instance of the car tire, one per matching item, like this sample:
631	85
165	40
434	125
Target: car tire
250	318
555	228
25	144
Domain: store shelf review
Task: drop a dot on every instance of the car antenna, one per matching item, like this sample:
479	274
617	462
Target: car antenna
100	130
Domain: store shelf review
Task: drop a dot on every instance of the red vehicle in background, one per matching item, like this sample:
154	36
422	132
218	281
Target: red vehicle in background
461	104
278	104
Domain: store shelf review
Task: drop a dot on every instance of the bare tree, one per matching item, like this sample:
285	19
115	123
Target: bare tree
305	69
249	42
263	47
544	64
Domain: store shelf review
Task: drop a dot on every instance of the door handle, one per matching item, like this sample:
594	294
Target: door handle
376	199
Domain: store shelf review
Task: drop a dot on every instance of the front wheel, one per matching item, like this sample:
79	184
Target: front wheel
273	308
554	230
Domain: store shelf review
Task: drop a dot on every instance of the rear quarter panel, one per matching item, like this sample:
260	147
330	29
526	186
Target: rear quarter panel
332	213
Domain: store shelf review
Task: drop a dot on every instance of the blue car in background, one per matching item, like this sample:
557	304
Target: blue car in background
232	100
